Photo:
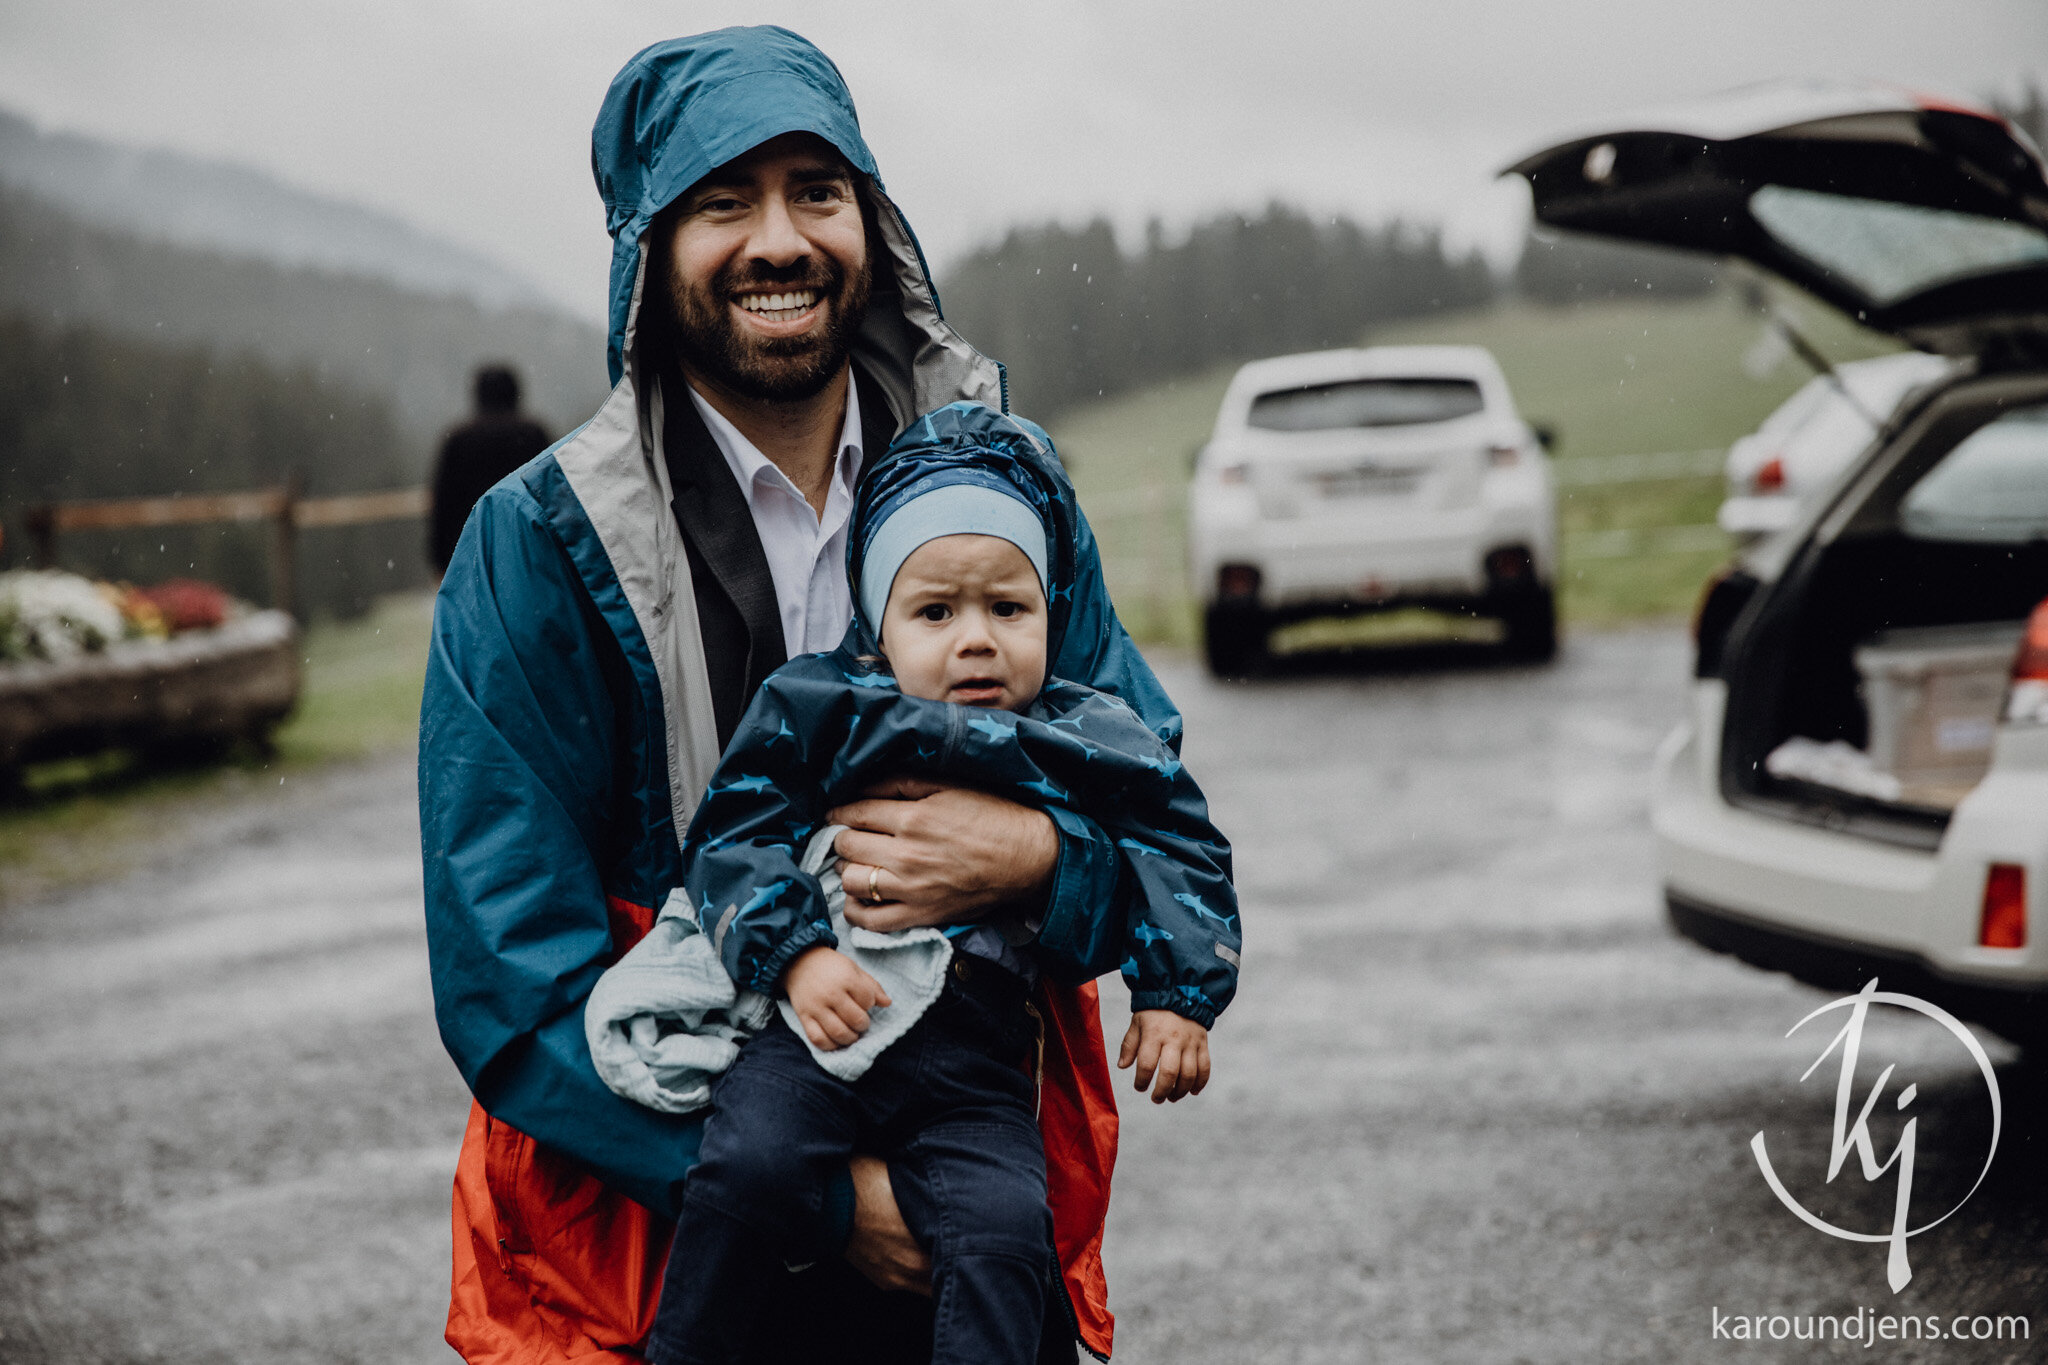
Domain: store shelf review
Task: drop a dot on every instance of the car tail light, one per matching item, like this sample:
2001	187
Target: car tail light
1721	601
2027	700
1510	567
2005	907
1502	456
1769	477
1237	580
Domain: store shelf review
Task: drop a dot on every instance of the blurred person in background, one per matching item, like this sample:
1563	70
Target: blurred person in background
475	455
607	616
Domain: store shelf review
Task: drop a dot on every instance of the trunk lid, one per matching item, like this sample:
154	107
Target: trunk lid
1922	217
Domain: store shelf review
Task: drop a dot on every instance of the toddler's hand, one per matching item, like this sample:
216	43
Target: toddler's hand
832	997
1176	1049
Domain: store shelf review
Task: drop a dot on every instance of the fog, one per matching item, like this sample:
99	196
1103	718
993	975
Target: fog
472	119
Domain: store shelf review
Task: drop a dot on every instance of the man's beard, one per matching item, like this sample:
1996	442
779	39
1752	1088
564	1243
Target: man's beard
768	369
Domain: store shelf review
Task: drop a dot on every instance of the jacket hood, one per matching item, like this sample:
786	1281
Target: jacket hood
972	444
682	108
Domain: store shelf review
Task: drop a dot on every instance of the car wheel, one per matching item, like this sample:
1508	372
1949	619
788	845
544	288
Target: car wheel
1531	622
1234	640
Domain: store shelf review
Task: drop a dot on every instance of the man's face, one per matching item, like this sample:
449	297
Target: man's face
768	270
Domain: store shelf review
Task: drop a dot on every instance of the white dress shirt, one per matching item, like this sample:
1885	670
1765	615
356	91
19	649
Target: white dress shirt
806	552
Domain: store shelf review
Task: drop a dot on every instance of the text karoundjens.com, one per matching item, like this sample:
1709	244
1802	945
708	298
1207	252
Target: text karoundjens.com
1867	1327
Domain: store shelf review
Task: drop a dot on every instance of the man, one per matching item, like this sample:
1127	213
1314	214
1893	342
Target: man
491	444
606	616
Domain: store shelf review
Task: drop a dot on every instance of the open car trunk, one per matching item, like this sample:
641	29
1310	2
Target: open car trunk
1893	629
1864	683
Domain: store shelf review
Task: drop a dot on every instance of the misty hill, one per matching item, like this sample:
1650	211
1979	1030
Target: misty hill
418	351
214	205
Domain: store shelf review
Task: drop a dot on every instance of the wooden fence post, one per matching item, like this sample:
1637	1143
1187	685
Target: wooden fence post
42	525
282	507
284	549
1155	545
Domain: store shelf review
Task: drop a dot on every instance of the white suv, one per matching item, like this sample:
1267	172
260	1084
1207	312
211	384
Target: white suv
1862	786
1343	481
1793	458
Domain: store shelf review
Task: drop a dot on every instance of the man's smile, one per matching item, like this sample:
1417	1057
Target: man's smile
780	314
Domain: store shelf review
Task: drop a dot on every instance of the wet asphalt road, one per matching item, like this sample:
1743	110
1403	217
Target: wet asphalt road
1474	1102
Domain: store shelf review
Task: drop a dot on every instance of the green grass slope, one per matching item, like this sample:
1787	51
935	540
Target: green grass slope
1616	378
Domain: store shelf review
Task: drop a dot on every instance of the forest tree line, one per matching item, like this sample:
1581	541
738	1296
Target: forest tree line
1075	317
85	413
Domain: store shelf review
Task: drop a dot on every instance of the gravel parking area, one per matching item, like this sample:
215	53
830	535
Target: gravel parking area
1474	1103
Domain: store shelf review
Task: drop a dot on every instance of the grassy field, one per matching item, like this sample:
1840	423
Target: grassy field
81	819
1616	378
362	685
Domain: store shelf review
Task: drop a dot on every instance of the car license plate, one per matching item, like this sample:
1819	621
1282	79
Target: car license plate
1366	480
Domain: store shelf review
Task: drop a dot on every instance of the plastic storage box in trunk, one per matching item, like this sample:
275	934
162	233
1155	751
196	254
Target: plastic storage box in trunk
1932	695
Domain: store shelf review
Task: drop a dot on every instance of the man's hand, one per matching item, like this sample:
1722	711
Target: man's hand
831	996
881	1246
1176	1049
939	855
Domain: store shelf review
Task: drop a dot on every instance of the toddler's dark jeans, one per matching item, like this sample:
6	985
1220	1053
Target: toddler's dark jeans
948	1106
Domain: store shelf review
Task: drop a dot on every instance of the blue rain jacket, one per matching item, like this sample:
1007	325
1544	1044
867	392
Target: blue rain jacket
825	726
566	728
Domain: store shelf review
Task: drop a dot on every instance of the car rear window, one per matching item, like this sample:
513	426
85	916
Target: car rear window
1887	250
1366	403
1991	489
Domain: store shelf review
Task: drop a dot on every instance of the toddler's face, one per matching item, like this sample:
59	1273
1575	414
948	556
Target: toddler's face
966	622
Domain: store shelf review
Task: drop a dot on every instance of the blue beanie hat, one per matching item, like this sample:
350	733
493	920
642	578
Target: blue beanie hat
941	506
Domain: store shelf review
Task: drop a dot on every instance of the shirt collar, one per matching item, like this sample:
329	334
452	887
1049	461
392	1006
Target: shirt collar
748	464
850	452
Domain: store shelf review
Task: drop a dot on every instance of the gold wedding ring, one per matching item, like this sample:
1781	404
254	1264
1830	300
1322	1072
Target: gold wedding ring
874	886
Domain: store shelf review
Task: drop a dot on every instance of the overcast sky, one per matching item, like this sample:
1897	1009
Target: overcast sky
472	117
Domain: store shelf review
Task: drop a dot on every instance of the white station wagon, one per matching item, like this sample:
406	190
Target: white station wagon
1861	788
1356	480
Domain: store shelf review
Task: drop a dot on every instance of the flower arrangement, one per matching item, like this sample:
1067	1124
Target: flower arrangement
52	615
181	604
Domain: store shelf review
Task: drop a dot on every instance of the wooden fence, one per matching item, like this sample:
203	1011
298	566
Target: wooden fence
282	507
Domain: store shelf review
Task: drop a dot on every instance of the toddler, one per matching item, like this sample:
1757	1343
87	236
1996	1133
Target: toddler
924	1046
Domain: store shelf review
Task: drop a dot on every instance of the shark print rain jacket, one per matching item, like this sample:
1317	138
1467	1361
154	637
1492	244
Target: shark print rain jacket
824	727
